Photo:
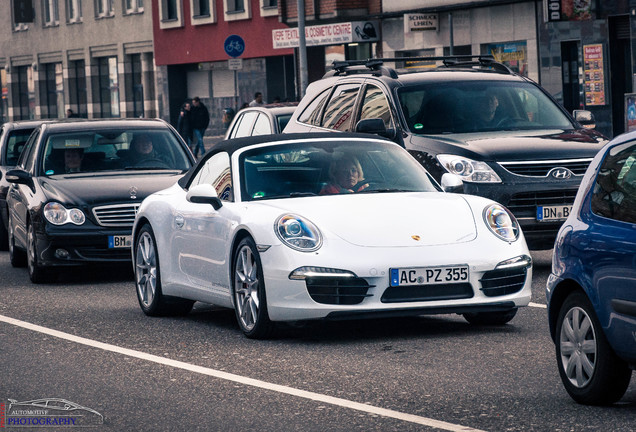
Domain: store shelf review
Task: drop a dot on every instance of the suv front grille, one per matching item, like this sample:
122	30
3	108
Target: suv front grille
118	215
525	204
542	168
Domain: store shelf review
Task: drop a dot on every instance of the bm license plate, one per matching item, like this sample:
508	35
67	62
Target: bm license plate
119	241
553	213
429	275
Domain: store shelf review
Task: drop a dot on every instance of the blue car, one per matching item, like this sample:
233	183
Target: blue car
591	291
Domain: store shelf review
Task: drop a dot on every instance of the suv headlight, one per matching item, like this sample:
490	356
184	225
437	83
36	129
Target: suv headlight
469	170
57	214
298	233
501	222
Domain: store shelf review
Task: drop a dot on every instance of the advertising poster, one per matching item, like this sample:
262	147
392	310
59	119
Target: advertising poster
568	10
594	77
630	112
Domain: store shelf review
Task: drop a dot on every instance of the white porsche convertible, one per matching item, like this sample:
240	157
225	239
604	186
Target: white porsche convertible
325	226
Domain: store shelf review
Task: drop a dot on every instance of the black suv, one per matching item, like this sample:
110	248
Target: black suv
499	132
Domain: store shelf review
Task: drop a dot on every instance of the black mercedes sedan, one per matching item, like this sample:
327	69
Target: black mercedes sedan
76	188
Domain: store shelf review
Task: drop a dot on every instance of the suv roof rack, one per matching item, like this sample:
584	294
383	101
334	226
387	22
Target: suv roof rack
376	65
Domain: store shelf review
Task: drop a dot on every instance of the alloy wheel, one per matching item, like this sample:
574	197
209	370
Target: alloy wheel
578	347
146	269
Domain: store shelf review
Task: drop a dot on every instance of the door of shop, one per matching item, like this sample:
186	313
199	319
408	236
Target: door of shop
620	69
570	52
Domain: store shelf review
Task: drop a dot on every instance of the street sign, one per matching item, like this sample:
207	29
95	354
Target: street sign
234	45
235	64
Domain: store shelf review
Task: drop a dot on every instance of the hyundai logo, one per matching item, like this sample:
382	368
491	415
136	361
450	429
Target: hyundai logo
560	173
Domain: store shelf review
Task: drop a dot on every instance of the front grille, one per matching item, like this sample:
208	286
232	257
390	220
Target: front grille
99	254
337	290
427	293
118	215
525	204
502	282
542	168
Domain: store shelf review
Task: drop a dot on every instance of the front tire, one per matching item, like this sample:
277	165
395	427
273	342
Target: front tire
37	273
248	287
591	372
148	279
490	318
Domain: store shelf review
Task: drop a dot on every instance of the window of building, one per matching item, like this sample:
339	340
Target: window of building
133	6
54	86
269	7
24	87
170	14
73	11
137	85
203	12
23	13
236	10
77	87
50	13
104	8
108	87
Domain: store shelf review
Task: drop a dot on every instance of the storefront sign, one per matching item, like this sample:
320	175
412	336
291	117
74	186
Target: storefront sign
420	22
594	78
327	34
567	10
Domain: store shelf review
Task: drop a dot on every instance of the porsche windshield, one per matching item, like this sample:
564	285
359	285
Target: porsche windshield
478	106
330	167
113	150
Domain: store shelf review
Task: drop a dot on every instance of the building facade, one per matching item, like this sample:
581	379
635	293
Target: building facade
94	57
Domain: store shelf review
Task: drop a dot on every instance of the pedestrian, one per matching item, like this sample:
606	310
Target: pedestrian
199	121
245	105
70	113
184	123
228	115
258	100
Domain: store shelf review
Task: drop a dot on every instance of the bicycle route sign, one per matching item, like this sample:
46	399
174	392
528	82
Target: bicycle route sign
234	45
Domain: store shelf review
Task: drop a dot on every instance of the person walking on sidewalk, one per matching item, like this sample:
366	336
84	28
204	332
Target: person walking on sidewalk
184	126
199	120
258	100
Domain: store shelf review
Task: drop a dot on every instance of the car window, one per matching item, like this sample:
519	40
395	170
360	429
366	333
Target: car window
216	171
339	110
308	168
311	114
614	193
457	107
376	105
25	160
262	125
16	142
282	121
245	127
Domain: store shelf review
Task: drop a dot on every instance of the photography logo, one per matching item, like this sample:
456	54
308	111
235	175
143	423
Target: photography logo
48	412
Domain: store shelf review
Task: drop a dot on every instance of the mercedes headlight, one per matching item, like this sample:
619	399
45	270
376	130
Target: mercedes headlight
298	233
57	214
469	170
501	222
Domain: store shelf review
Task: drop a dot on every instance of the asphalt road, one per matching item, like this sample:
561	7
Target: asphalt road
84	339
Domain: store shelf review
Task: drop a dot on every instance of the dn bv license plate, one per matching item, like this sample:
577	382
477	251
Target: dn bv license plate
119	241
553	213
429	275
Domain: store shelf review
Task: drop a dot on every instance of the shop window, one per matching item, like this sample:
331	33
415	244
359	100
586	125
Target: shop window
137	85
108	87
203	12
133	6
50	13
73	11
339	110
170	14
512	54
77	87
236	10
54	83
25	89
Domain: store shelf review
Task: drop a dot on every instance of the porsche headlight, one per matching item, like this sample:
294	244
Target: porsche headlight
469	170
57	214
501	222
298	233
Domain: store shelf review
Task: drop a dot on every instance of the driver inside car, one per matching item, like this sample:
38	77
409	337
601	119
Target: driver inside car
142	150
346	176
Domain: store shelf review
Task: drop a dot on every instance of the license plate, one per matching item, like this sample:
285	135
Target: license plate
119	241
429	275
553	213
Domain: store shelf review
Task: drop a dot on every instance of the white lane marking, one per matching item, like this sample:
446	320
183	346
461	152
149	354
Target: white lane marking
538	305
243	380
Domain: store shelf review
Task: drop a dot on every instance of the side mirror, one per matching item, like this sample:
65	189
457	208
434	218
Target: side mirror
452	183
374	126
204	194
19	176
585	118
